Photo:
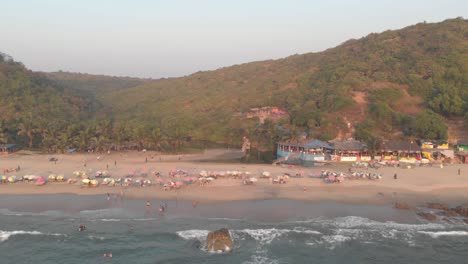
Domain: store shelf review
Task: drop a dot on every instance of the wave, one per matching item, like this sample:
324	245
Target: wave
193	234
444	233
356	221
110	220
145	219
5	235
96	238
264	236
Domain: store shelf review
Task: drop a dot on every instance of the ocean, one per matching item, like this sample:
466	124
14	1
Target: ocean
44	229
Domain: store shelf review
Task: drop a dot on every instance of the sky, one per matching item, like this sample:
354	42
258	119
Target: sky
170	38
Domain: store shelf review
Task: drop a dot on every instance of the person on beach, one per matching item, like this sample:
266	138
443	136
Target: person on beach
459	171
162	209
395	176
82	228
194	204
115	162
146	160
148	204
108	197
18	169
107	166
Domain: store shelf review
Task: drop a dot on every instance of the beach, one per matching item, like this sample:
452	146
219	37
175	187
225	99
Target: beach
413	186
302	220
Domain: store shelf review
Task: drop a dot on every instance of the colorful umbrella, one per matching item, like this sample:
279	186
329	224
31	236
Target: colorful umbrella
40	181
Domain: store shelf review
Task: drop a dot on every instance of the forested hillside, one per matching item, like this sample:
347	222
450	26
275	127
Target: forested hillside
407	83
35	110
402	83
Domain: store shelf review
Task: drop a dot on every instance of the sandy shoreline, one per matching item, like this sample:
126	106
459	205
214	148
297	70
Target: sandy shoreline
413	186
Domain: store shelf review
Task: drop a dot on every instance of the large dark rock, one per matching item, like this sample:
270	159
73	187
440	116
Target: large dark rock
219	240
438	206
427	216
403	206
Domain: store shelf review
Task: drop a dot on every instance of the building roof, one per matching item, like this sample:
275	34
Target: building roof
8	146
350	144
400	146
311	144
315	144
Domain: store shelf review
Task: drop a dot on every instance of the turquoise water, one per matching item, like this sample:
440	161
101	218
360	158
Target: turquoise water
44	229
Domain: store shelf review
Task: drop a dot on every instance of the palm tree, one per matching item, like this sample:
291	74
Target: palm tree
121	135
27	129
156	138
3	136
83	139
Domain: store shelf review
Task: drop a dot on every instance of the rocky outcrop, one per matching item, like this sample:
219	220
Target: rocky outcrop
219	240
402	206
461	211
449	213
438	206
427	216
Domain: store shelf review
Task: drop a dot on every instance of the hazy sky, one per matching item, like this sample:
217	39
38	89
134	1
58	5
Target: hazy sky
153	38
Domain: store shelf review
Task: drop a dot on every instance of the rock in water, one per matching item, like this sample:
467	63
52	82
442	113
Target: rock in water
219	240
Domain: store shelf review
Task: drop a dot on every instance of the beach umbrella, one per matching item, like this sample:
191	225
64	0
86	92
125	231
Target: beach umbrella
40	181
94	182
266	173
12	179
52	177
253	179
85	181
179	184
210	178
340	178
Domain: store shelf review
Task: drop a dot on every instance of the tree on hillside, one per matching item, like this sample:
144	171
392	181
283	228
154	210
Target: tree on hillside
430	125
27	129
156	138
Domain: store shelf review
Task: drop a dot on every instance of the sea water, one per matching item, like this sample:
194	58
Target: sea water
44	229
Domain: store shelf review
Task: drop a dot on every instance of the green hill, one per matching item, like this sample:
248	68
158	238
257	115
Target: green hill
34	109
396	83
407	83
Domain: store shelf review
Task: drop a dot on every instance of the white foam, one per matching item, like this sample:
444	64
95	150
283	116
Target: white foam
256	259
110	220
444	233
268	235
145	219
5	235
356	221
96	237
193	234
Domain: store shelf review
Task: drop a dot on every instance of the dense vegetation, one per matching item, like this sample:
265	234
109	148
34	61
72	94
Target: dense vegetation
403	83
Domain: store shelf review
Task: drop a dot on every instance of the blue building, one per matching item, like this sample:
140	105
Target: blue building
309	152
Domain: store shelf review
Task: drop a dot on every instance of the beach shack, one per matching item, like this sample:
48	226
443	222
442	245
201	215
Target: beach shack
434	144
304	152
400	150
8	148
462	151
462	146
350	150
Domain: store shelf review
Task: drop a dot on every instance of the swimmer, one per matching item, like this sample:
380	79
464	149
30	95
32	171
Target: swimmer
82	228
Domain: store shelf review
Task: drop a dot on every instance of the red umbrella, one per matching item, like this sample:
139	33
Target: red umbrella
40	180
179	184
